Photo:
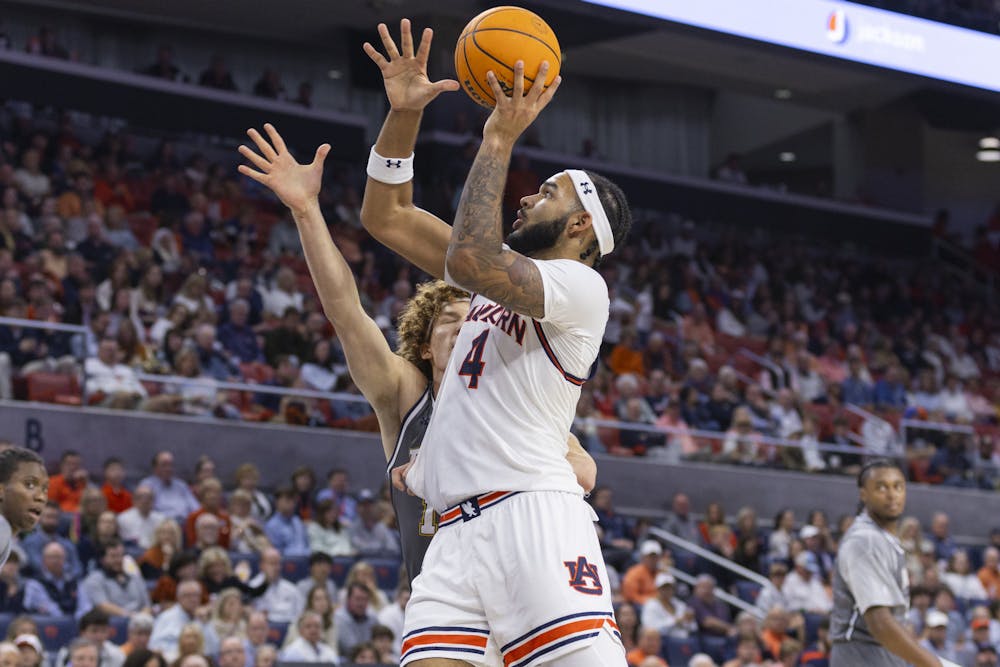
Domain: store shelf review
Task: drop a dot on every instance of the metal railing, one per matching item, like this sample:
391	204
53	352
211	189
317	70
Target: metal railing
724	563
779	373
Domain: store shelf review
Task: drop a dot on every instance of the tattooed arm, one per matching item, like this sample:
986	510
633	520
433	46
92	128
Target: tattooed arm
476	257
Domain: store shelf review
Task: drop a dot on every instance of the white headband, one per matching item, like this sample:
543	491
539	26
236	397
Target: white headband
587	193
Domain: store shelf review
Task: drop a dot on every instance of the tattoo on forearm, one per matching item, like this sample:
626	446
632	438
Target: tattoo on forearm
508	278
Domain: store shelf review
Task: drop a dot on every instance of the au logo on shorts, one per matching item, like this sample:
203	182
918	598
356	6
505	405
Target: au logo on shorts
583	576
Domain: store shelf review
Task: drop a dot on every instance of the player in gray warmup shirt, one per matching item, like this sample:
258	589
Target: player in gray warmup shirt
870	586
399	385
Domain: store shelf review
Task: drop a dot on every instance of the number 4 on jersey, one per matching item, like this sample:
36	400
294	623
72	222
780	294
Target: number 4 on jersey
473	364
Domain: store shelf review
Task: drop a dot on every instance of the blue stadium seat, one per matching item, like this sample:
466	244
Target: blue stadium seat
812	626
295	568
677	651
975	556
386	572
119	629
253	560
276	632
5	620
56	631
748	591
341	566
719	648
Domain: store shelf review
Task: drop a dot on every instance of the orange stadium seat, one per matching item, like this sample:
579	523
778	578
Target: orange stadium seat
53	388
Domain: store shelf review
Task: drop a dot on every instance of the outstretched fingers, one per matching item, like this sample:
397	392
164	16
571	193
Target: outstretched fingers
405	38
279	143
257	160
498	94
518	91
538	87
265	148
424	50
321	154
549	92
374	54
253	173
387	41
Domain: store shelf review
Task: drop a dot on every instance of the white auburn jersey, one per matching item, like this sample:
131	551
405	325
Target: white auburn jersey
507	400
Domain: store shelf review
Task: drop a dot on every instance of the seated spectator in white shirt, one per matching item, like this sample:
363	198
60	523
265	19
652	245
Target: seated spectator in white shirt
665	613
105	375
281	599
137	525
95	628
284	294
232	653
168	626
803	589
309	646
391	616
320	567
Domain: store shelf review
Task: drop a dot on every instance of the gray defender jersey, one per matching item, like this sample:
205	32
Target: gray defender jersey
417	522
870	572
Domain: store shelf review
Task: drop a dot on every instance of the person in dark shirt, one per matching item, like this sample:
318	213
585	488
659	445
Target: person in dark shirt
217	75
164	67
237	336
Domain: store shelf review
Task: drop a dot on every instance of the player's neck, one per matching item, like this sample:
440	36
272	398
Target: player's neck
888	525
556	252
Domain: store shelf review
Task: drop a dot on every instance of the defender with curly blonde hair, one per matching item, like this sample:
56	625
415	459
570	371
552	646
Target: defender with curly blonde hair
400	386
417	319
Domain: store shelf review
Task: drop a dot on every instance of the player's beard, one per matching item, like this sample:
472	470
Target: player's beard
537	236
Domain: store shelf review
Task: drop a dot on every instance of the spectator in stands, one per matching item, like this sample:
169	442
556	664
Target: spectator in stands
164	67
989	573
228	617
269	85
285	529
246	533
369	536
639	582
168	625
237	337
616	533
391	616
167	542
803	589
812	540
32	653
363	573
320	567
112	380
139	630
247	478
353	620
111	589
305	95
55	591
66	487
46	532
207	532
309	646
119	498
281	599
936	636
317	601
210	494
742	443
172	496
12	587
680	522
30	180
961	580
712	615
211	359
666	613
647	650
257	629
950	462
105	531
193	294
137	525
731	171
232	652
771	595
217	75
95	630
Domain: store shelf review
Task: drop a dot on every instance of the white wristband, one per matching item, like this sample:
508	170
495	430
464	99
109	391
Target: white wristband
390	170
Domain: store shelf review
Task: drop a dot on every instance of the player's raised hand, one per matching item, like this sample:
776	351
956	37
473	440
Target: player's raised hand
512	115
297	185
405	72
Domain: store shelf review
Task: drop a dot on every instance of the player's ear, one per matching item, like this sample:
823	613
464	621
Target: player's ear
425	351
578	224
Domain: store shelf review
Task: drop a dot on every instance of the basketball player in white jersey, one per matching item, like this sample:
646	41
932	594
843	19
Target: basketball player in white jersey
24	490
400	386
516	555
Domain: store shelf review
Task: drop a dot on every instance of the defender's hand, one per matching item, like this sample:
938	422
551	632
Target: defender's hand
405	74
512	115
398	476
297	185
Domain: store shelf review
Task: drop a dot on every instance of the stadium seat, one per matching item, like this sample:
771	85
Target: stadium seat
678	651
386	572
719	648
5	621
748	591
119	629
276	632
295	568
812	626
253	560
53	388
341	566
56	631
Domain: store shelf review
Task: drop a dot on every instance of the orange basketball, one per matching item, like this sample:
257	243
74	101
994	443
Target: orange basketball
495	40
